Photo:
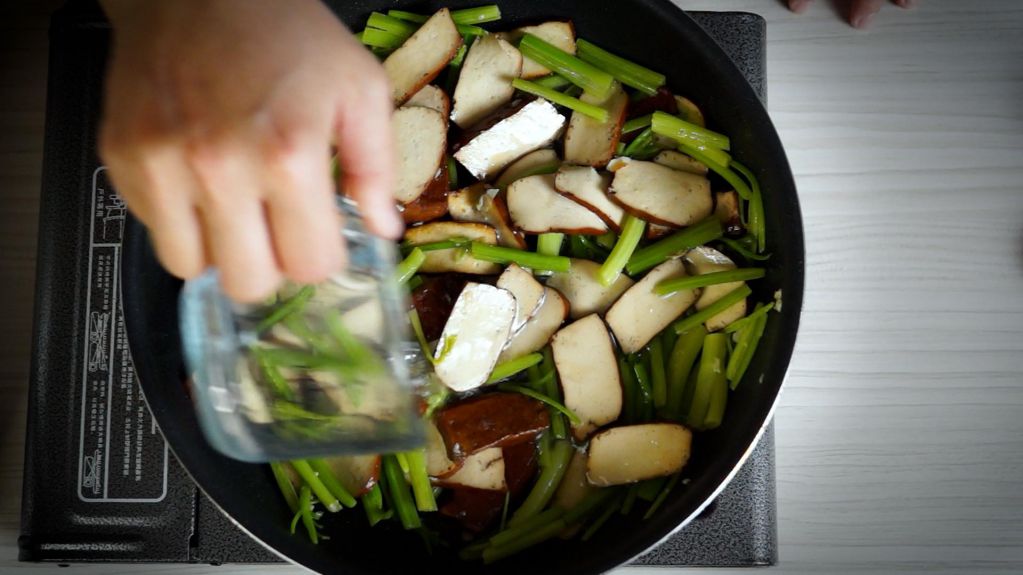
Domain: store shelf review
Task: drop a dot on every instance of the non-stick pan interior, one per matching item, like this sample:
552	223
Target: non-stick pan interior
654	33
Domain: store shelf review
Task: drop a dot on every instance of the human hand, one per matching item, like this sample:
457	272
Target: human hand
218	121
860	12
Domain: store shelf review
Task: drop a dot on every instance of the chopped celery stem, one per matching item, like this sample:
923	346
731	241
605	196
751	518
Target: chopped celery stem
381	39
398	490
645	396
534	537
664	124
318	488
543	398
586	76
504	256
744	251
409	266
477	15
305	508
511	367
665	491
440	245
756	206
284	484
422	490
408	16
549	244
592	110
658	379
728	300
644	146
671	286
710	375
390	24
636	124
680	364
743	322
632	233
326	475
629	73
452	174
628	379
748	340
553	81
719	168
695	235
546	484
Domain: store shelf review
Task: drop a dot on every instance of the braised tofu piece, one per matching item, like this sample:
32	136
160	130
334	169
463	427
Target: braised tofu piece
585	360
453	259
420	136
588	187
536	207
539	329
544	159
640	313
422	57
585	294
660	194
490	420
484	83
591	142
430	96
631	453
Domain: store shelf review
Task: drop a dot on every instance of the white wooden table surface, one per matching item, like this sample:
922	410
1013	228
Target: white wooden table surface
900	432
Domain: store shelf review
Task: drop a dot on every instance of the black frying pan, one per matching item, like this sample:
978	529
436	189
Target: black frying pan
652	32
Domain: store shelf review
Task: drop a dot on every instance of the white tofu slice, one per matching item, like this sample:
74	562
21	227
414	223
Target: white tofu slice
574	486
704	260
536	207
481	470
480	324
476	203
632	453
422	57
689	111
484	84
438	464
585	185
660	194
453	260
528	293
539	329
430	96
586	365
590	142
640	314
584	291
420	136
534	126
679	161
544	158
556	32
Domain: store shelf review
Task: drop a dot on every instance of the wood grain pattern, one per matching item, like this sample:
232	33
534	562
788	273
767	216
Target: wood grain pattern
900	433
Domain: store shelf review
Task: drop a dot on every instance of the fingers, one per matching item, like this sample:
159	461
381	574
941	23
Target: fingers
302	210
234	221
861	12
159	188
366	151
173	222
799	6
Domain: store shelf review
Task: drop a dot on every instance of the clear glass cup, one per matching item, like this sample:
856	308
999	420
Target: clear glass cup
320	370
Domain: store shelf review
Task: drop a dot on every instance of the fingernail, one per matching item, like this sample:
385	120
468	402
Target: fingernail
394	225
863	22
